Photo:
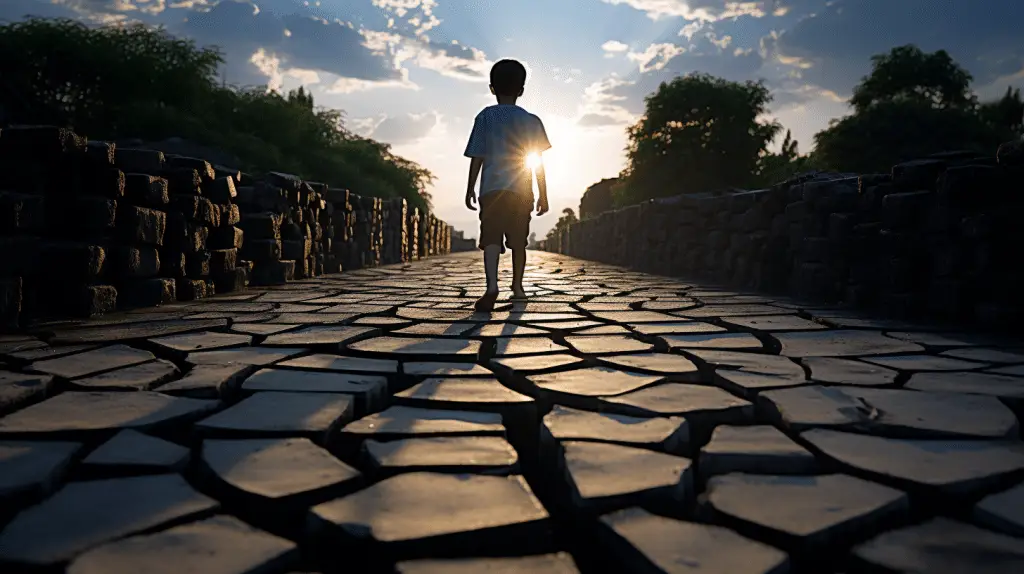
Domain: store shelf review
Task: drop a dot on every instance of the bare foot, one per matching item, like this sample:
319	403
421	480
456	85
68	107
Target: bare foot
485	304
518	293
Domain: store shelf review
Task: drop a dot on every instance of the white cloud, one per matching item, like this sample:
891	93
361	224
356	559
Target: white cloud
601	107
656	56
417	15
612	47
353	85
702	10
452	60
404	128
691	28
722	42
270	66
365	126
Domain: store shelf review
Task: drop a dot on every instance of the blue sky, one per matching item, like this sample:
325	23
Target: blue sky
413	73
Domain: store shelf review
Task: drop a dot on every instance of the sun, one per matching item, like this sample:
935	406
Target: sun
533	161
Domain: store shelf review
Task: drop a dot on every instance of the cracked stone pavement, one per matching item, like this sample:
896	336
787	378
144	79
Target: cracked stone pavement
617	422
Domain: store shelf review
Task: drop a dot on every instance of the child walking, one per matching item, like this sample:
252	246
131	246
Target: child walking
506	144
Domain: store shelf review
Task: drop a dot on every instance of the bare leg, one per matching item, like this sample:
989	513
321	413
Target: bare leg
518	269
491	255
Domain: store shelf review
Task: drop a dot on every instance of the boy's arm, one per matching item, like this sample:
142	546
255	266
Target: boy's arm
541	144
542	189
476	149
474	172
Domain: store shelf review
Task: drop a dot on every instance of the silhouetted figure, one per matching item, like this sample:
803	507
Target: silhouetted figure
506	144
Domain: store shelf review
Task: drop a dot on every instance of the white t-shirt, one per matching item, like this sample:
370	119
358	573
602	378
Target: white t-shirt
503	135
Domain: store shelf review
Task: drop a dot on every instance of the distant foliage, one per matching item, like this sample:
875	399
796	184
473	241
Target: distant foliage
138	82
567	218
1006	113
913	104
698	133
775	167
598	198
908	75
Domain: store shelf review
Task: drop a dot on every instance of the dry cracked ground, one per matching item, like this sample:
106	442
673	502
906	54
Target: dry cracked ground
617	422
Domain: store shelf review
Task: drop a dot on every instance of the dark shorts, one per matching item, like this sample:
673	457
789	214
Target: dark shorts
505	214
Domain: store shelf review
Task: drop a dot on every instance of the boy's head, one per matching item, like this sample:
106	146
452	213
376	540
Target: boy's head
508	78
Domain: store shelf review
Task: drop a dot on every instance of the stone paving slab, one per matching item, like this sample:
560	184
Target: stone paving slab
615	422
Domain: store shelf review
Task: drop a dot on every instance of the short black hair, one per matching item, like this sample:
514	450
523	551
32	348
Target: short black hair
508	77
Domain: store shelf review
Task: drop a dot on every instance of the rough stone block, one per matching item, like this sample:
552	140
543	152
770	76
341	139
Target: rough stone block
73	262
225	238
20	256
303	268
292	230
272	272
139	160
77	216
184	235
295	249
261	198
337	196
229	214
105	182
197	264
146	190
141	225
261	225
91	300
204	171
191	289
968	185
949	298
196	208
10	302
815	250
172	263
133	262
183	181
902	210
223	260
220	190
146	292
261	250
231	280
1011	153
40	142
22	213
285	181
223	171
918	175
101	153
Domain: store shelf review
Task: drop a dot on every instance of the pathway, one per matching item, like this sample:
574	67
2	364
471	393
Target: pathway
357	420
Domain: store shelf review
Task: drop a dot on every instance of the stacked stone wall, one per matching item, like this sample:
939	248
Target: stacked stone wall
938	238
87	227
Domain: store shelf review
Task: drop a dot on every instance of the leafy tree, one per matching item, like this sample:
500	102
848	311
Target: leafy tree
886	134
776	167
567	219
906	74
597	199
698	133
1006	113
913	104
118	82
